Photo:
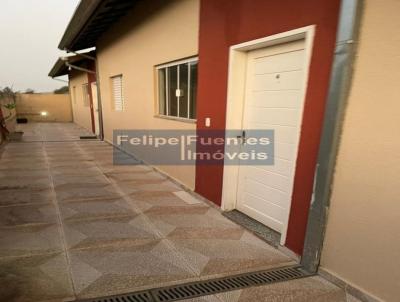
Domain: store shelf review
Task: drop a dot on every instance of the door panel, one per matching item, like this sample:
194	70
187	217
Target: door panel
275	99
274	116
277	81
275	76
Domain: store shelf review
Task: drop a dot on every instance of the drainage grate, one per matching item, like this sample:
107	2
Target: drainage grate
210	287
134	297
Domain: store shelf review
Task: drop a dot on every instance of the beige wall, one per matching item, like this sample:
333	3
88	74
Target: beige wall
132	48
57	106
362	243
81	113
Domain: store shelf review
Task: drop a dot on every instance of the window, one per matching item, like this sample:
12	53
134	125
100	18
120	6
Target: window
85	92
117	93
177	89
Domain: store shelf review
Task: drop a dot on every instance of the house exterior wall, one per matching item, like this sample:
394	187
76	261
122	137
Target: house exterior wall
153	33
362	243
57	106
81	113
225	23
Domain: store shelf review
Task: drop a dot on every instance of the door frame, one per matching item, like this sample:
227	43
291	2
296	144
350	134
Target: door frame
236	96
95	103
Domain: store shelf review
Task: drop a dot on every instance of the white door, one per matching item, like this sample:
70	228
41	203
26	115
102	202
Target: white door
95	108
273	100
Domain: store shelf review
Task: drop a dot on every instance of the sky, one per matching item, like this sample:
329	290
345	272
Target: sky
30	31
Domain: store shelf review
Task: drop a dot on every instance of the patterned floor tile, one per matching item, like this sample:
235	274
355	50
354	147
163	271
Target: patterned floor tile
68	192
112	231
37	132
68	158
203	299
145	200
78	179
25	196
111	168
220	257
27	214
192	222
72	164
148	185
23	181
313	289
124	228
22	160
89	209
140	174
35	278
106	271
21	166
76	170
30	240
15	173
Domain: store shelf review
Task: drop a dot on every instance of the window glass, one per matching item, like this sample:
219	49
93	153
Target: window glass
162	91
172	87
177	88
193	90
183	90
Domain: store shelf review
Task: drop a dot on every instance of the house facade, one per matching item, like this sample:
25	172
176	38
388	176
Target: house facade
265	65
134	69
81	72
361	244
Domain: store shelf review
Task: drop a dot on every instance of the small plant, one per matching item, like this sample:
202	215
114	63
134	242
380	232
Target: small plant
10	106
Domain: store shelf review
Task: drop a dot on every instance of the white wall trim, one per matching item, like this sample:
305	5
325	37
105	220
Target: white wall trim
236	93
178	62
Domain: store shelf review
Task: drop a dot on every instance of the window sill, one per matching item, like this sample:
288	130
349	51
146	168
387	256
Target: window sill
174	118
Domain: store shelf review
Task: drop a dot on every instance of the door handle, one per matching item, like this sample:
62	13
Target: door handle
242	137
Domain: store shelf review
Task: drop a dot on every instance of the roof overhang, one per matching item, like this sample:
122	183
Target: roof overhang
60	68
90	20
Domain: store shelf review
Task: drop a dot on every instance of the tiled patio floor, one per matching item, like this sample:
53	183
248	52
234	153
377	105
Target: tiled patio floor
73	225
51	132
313	289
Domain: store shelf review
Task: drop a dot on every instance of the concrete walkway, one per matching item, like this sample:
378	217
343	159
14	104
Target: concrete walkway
73	226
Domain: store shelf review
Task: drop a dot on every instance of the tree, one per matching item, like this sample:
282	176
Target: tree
62	90
7	93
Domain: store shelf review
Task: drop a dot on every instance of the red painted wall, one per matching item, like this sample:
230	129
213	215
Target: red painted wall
228	22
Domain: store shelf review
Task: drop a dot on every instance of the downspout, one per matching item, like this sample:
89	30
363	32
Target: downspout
339	87
99	107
